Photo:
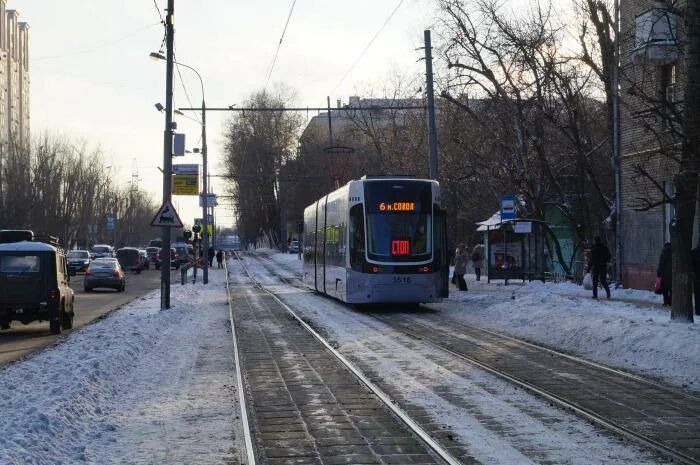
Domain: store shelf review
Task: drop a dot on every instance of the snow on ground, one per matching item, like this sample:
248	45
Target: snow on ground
141	386
496	422
628	331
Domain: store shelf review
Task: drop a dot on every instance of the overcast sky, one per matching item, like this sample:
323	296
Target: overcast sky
91	77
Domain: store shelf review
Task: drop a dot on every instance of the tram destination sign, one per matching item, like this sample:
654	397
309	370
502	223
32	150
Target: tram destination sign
397	207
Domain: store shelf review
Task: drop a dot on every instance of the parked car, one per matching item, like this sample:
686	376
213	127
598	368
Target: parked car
158	243
174	259
105	272
102	251
34	283
130	259
294	246
78	260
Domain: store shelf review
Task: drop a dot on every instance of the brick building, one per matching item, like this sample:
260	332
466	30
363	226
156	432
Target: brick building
14	77
651	82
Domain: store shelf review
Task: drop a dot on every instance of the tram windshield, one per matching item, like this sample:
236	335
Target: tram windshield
399	226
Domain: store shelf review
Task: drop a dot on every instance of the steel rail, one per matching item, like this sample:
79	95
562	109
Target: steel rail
392	405
554	398
248	437
562	402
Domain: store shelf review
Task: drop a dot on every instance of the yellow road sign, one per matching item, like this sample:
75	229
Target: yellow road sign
185	184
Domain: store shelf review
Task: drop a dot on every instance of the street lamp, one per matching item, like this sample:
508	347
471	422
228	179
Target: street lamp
205	190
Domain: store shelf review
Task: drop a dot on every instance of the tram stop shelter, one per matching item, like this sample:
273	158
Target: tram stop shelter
514	249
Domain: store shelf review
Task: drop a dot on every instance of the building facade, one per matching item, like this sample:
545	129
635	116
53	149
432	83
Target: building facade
14	78
651	89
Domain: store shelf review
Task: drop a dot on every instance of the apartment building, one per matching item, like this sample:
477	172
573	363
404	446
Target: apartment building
651	90
14	77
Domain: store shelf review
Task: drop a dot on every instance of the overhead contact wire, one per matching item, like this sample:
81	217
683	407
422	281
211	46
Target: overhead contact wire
279	45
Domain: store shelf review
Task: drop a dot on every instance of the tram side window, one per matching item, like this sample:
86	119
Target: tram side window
357	237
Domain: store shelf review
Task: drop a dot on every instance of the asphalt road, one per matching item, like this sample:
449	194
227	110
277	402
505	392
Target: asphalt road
23	339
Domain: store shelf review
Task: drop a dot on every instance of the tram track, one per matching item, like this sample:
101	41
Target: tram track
660	417
371	426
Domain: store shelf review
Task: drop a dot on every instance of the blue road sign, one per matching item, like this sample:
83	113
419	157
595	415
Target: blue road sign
507	208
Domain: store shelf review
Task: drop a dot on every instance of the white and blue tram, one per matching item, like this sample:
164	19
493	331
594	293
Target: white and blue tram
378	239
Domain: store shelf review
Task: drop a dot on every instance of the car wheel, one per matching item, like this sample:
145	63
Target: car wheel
55	326
157	267
88	289
5	324
124	286
67	319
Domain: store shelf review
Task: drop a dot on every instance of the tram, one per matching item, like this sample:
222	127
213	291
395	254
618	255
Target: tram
379	239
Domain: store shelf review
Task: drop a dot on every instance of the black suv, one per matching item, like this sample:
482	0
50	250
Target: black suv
34	281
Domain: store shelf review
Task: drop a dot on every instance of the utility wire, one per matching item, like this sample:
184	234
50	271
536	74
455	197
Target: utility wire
162	21
367	47
99	46
182	83
274	59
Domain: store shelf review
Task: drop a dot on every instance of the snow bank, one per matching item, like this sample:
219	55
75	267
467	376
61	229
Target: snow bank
140	386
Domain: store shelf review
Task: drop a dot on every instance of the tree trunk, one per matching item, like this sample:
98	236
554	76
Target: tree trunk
686	182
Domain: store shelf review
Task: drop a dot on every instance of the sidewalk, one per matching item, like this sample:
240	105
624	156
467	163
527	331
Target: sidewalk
143	385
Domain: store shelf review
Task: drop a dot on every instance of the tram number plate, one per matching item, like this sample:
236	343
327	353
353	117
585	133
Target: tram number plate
401	280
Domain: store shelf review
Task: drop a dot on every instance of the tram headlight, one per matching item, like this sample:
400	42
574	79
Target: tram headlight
375	269
425	269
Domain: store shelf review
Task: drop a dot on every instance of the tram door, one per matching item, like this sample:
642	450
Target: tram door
441	249
321	245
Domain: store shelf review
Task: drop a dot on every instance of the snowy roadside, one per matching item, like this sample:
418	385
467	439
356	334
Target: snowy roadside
636	337
140	386
493	420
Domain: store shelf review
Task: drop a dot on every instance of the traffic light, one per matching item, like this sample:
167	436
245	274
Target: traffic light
188	234
197	229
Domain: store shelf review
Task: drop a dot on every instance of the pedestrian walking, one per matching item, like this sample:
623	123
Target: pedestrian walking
665	272
219	259
461	259
211	255
600	256
696	277
478	259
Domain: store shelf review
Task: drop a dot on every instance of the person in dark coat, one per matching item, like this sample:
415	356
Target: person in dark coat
212	254
220	259
696	277
600	256
665	272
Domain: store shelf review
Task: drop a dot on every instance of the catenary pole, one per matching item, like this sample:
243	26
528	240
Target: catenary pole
617	169
205	199
430	94
167	154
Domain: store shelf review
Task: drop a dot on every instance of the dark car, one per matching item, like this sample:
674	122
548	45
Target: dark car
102	251
130	259
34	285
78	260
174	259
153	255
184	252
294	246
105	272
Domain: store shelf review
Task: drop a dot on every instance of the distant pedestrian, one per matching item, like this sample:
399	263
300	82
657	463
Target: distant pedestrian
696	277
211	255
461	259
665	272
219	259
600	256
478	259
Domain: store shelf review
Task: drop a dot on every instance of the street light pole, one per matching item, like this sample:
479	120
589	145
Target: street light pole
167	154
205	199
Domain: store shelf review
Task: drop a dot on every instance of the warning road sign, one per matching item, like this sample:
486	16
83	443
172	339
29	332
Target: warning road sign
167	217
